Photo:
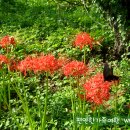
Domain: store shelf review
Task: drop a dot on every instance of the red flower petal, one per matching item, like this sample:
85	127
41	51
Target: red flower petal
6	40
3	59
74	68
96	89
83	39
46	63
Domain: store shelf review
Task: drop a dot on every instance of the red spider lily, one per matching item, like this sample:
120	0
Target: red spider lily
96	89
24	65
7	40
74	68
38	64
3	59
47	63
83	39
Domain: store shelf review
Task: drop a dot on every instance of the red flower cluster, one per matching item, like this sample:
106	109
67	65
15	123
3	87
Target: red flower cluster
96	90
83	39
7	40
75	68
36	64
47	63
25	65
3	59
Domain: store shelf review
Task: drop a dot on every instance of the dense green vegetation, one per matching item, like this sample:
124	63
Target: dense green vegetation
50	27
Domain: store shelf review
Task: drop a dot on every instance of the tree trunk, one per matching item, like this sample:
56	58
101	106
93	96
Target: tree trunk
118	46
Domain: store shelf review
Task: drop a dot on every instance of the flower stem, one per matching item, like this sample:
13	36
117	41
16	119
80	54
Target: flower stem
24	103
84	56
115	127
74	127
45	106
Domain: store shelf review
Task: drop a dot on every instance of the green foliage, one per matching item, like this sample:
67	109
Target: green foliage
50	27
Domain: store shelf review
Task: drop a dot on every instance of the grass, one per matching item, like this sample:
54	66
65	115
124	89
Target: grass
37	101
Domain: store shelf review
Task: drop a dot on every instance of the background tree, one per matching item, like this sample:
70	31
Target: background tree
118	14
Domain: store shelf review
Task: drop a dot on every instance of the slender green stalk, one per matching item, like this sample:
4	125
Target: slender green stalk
95	114
115	127
83	113
73	112
39	104
25	104
115	105
81	104
4	91
79	101
73	108
9	105
84	56
39	109
98	112
43	122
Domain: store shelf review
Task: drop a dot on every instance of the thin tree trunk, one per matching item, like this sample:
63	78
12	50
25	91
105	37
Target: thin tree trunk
118	46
